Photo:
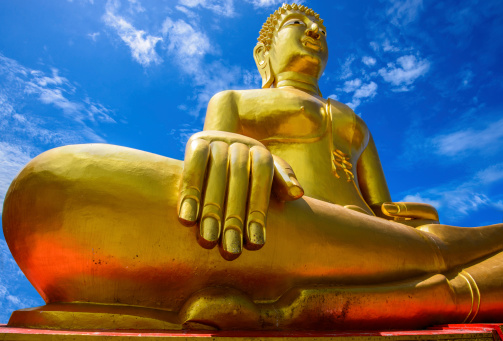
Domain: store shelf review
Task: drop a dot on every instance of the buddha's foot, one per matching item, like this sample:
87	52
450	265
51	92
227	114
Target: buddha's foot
220	308
412	304
82	316
208	309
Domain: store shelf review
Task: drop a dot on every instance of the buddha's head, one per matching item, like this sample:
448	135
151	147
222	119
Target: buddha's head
292	39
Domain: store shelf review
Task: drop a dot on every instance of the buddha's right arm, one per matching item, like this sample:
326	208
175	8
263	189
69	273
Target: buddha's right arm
371	178
223	113
226	182
375	191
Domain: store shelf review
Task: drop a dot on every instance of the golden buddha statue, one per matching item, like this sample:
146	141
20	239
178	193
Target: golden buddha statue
98	229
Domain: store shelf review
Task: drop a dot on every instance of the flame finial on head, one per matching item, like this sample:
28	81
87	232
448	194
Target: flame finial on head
270	26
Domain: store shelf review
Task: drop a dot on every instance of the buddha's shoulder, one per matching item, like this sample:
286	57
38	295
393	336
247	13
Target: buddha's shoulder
233	96
240	93
341	111
264	95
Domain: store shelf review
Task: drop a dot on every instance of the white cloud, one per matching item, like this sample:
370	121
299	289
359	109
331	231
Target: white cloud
374	46
454	201
267	3
461	20
52	90
403	12
252	79
135	6
457	200
346	71
190	46
94	36
466	78
187	43
491	174
13	284
38	112
98	112
352	85
388	47
186	11
408	70
366	90
142	45
360	91
214	78
27	127
354	103
465	141
221	7
420	199
6	108
43	81
56	98
12	160
13	300
12	122
182	135
369	61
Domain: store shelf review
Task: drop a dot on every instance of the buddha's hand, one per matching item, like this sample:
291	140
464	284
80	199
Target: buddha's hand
415	213
226	186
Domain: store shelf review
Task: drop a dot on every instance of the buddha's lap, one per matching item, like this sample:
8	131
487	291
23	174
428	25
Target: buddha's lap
103	224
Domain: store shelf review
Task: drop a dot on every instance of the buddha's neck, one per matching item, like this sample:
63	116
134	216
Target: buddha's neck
297	80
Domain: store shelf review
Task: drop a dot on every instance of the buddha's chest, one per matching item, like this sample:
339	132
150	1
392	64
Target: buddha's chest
284	116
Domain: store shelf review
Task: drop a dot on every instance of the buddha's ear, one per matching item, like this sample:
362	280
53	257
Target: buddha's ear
261	57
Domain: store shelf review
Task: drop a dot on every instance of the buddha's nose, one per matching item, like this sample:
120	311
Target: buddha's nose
313	31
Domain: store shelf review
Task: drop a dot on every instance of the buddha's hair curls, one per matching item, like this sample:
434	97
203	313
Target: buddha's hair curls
270	26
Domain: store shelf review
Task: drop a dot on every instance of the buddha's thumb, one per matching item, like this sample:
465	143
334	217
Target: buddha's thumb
285	183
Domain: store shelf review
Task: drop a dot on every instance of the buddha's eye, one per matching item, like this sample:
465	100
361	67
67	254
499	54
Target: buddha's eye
294	22
323	32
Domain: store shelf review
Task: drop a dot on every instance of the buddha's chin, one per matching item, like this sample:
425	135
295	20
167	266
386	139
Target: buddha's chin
308	62
313	54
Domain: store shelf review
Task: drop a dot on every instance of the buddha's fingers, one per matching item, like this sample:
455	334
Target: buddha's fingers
214	197
239	169
226	137
285	184
262	170
410	210
196	159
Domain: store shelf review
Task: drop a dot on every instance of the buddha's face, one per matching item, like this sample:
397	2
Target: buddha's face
299	45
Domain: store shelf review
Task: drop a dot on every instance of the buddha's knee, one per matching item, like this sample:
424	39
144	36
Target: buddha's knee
86	191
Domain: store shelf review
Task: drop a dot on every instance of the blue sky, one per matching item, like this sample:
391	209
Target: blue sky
426	76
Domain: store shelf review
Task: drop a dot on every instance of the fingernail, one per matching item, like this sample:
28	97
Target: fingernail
390	208
256	233
210	229
232	241
188	211
295	181
295	191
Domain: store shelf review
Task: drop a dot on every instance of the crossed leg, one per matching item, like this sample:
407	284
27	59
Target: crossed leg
98	224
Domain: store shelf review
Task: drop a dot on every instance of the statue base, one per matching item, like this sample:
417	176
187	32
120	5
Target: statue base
488	331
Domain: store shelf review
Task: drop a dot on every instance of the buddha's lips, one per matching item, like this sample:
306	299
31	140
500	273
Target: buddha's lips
312	43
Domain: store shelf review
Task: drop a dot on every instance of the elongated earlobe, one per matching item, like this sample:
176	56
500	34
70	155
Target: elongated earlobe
261	57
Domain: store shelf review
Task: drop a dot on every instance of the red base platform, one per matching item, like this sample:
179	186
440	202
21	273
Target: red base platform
444	332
